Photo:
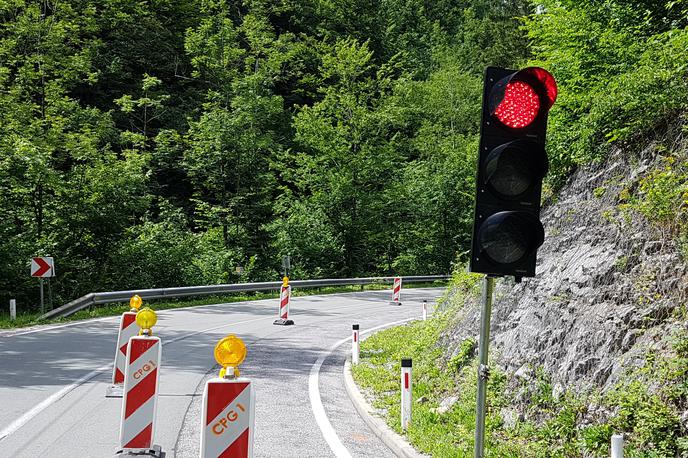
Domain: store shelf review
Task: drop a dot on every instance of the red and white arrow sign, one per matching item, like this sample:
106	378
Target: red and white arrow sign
42	267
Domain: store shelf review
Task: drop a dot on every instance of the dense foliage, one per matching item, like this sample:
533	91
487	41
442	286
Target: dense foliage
162	143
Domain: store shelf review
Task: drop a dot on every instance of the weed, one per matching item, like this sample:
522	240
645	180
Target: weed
599	192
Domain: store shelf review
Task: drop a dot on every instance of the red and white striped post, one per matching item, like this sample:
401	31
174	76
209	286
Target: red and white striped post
285	297
406	387
396	291
127	330
141	376
425	309
229	406
355	345
228	418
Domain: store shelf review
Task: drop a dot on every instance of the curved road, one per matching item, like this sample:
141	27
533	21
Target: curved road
53	380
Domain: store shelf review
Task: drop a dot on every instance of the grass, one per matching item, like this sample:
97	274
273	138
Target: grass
25	319
646	404
448	434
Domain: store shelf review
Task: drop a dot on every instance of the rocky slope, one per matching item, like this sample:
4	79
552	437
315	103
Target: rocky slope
609	285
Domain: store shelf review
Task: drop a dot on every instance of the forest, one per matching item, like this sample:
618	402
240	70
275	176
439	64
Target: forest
155	143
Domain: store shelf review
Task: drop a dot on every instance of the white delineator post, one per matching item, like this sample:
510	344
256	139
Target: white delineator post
396	291
425	309
617	446
406	387
228	418
13	309
127	330
355	344
140	399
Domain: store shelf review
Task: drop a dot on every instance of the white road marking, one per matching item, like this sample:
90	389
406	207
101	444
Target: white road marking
317	407
52	399
21	421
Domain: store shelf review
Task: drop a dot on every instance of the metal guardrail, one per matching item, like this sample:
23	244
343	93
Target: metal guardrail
159	293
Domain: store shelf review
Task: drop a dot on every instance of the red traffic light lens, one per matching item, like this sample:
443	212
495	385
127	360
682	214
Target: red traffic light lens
520	105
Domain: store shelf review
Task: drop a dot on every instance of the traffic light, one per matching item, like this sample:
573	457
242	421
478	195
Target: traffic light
511	165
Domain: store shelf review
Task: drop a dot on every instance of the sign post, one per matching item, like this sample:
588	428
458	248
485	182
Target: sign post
483	369
286	264
42	267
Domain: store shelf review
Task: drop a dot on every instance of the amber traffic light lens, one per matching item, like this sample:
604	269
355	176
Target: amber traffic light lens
512	169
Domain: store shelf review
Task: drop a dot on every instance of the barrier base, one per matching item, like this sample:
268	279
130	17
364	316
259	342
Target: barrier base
394	303
283	322
114	391
156	451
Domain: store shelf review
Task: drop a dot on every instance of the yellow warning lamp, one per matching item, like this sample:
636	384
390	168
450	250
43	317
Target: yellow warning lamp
285	281
146	319
135	303
230	352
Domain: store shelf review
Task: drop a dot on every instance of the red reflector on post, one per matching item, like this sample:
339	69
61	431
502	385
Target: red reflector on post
520	105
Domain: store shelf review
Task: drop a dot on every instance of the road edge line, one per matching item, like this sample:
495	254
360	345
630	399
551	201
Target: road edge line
47	402
326	429
399	446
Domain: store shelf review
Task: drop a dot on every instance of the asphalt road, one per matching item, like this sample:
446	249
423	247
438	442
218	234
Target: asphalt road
53	380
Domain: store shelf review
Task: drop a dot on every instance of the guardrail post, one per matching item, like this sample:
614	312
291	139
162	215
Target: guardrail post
617	446
13	309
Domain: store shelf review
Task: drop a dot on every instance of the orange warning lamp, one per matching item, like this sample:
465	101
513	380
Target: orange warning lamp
146	319
285	281
135	303
230	352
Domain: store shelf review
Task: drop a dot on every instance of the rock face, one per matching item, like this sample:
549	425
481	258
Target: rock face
606	288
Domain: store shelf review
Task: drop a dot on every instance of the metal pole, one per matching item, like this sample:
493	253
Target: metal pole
50	295
483	370
40	280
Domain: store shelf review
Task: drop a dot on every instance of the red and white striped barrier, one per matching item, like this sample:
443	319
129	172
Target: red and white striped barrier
285	297
127	330
355	345
228	418
396	291
406	390
140	394
425	309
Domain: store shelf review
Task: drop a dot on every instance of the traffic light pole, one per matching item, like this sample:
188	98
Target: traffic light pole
483	370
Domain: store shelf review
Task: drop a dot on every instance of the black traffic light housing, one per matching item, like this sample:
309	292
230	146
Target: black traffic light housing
511	165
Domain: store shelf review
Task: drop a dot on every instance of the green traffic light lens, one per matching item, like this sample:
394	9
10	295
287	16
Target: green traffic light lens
508	237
